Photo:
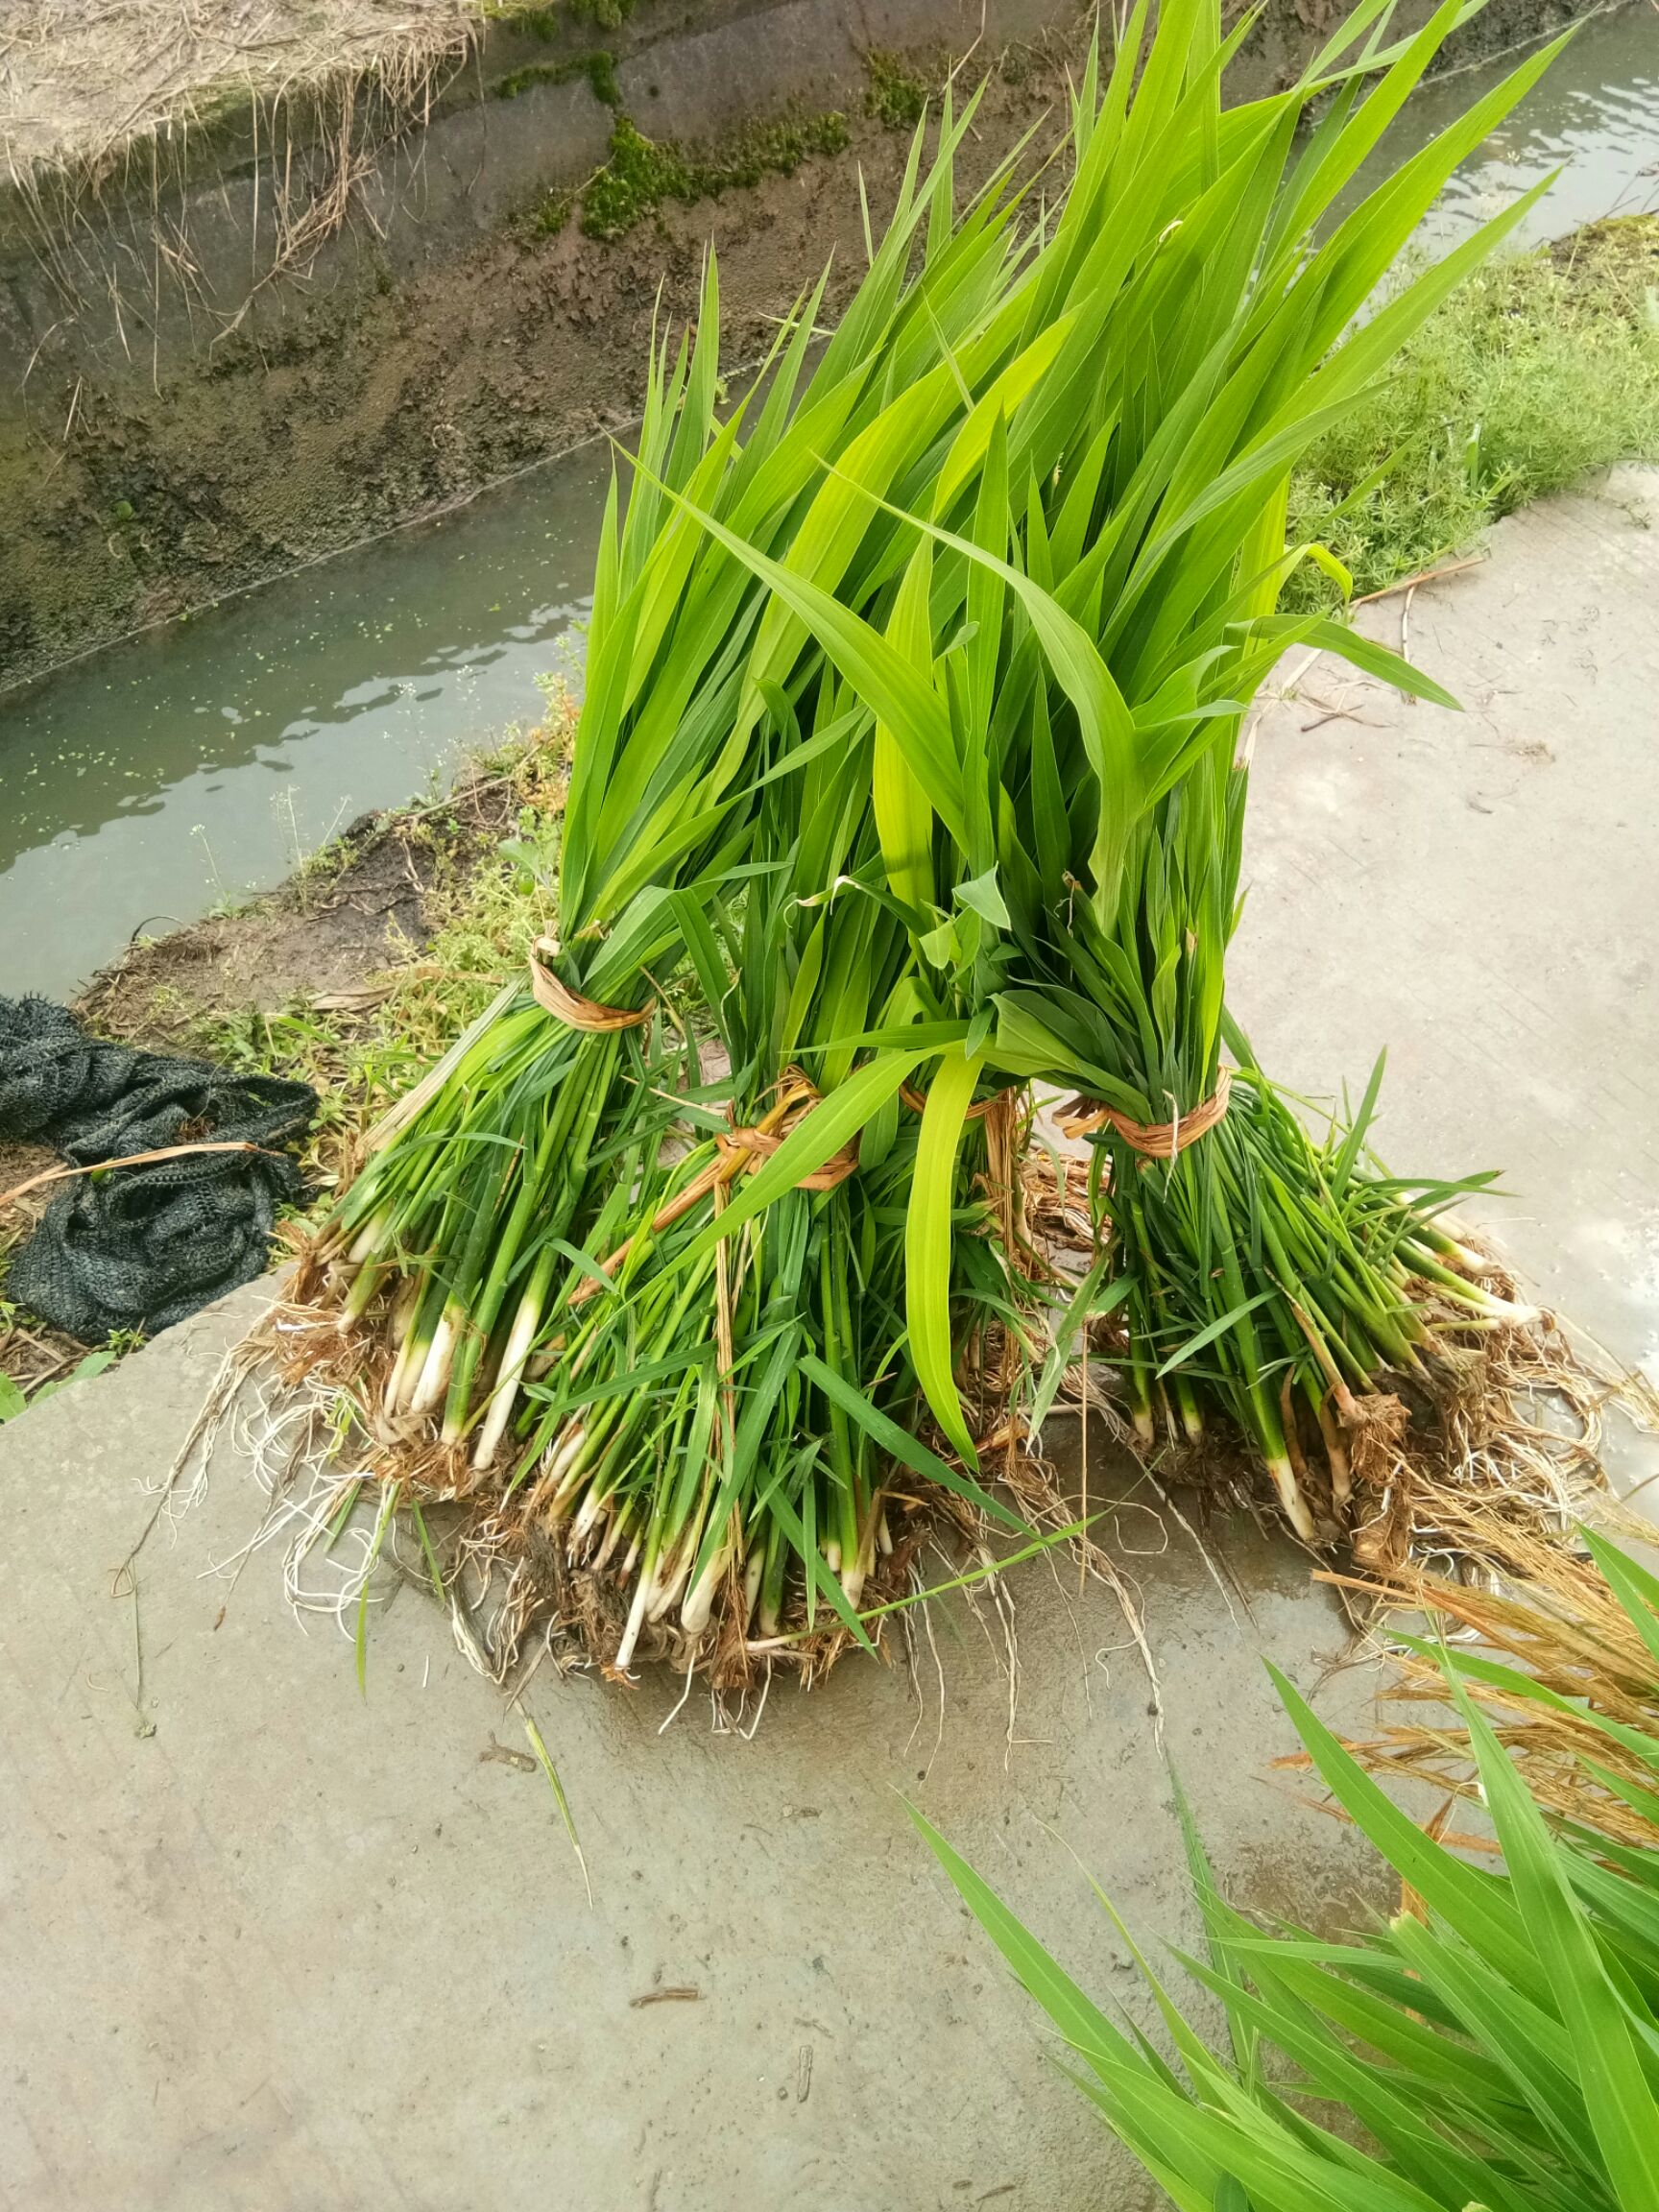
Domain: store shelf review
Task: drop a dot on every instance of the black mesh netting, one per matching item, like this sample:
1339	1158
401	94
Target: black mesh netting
141	1247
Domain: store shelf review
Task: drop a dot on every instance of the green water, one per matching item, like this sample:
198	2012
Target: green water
1595	117
177	773
181	771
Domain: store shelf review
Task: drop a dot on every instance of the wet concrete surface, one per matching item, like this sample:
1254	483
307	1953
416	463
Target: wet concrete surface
298	1947
277	1944
1474	892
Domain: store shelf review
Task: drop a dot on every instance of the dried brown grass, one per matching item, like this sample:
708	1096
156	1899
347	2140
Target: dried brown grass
115	101
80	81
1551	1615
1477	1538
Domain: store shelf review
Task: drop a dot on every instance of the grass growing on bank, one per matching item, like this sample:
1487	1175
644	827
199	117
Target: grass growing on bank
896	94
598	69
1542	369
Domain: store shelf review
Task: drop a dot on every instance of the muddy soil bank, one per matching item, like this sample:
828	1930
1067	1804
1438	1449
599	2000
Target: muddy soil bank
135	493
321	940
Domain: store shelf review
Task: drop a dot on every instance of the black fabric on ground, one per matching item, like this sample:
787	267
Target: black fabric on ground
142	1248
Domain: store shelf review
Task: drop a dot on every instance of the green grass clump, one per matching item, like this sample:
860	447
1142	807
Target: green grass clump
1538	371
896	95
1492	2045
642	173
633	184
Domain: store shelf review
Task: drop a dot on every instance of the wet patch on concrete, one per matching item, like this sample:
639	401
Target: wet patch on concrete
264	1894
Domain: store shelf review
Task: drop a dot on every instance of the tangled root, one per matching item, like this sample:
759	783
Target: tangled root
1465	1475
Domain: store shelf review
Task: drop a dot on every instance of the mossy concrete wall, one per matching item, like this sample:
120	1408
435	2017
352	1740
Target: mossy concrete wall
259	211
237	346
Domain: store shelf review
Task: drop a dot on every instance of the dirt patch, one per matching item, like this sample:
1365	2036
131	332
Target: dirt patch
20	1164
325	939
315	939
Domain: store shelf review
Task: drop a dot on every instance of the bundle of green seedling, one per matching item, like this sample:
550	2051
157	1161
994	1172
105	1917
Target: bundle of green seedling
446	1262
726	1439
1062	812
1276	1277
660	807
919	685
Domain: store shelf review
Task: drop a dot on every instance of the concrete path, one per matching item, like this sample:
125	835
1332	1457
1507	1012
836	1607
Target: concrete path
1477	892
273	1945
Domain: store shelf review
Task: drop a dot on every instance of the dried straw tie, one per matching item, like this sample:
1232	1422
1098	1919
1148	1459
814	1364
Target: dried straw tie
1154	1140
738	1149
553	997
136	1160
748	1147
917	1101
569	1006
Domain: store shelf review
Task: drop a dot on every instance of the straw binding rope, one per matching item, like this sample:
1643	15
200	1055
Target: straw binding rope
750	1146
739	1149
917	1101
136	1160
1155	1139
742	1148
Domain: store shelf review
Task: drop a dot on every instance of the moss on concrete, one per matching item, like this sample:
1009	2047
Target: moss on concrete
598	68
552	22
896	94
642	173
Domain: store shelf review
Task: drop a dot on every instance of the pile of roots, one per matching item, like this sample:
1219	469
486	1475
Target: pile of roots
1461	1492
